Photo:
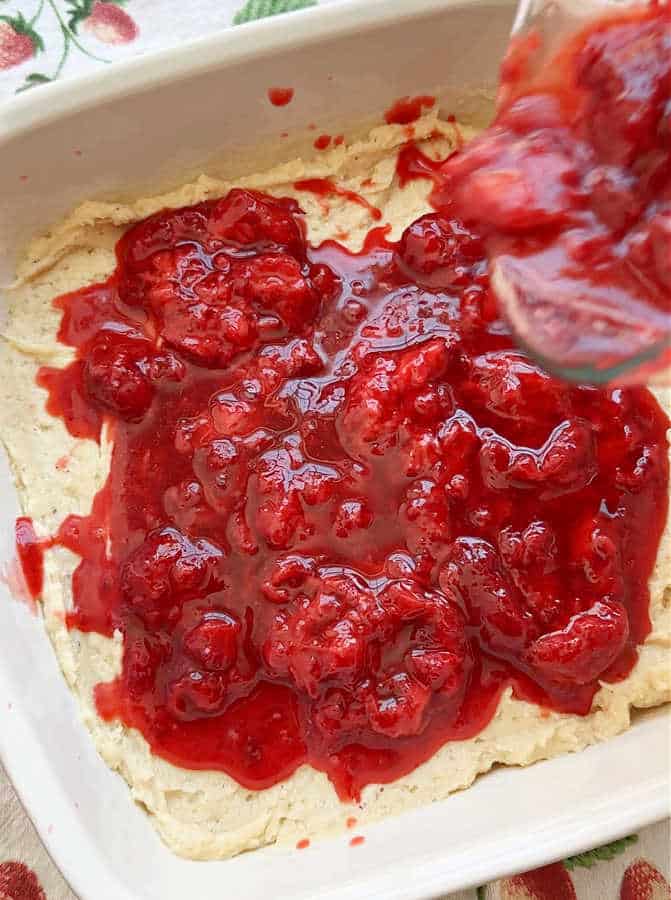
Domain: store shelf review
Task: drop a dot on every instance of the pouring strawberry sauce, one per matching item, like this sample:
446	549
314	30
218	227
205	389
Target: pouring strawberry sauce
571	189
344	511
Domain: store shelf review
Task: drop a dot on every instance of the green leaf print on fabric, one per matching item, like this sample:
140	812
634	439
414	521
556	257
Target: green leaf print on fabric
260	9
103	20
600	854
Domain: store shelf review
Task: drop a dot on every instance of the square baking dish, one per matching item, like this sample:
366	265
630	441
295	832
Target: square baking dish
150	123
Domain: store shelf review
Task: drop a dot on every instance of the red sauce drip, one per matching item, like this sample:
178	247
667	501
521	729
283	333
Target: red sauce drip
324	187
280	96
339	139
303	844
571	188
408	109
322	142
30	553
412	163
357	840
350	822
344	512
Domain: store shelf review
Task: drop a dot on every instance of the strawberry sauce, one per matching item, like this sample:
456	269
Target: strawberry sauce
408	109
30	553
280	96
344	512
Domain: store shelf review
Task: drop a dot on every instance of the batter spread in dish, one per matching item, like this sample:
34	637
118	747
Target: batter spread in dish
311	523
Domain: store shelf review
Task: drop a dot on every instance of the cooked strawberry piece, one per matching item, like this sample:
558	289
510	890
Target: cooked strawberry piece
426	511
197	694
276	283
231	415
151	248
594	553
518	185
512	387
287	488
168	569
473	573
397	708
248	219
117	376
142	656
211	302
351	516
442	249
325	638
532	558
213	643
387	392
438	654
563	465
289	575
585	648
325	282
627	73
340	714
208	335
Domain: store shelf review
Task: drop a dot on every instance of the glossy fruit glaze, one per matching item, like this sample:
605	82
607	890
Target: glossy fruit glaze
571	189
30	553
344	512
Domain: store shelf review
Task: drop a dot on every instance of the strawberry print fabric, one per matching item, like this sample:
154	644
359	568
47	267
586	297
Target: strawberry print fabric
45	40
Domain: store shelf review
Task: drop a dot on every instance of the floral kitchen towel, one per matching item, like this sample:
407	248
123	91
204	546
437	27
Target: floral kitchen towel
44	40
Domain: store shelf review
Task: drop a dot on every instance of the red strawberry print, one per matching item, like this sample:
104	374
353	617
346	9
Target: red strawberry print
551	882
18	882
642	881
110	24
18	41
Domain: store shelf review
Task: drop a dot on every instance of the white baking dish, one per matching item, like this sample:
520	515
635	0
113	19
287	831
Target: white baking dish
151	121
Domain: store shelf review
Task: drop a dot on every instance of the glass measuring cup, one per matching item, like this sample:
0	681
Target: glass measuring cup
578	328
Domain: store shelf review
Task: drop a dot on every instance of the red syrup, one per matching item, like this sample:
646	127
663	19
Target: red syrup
344	511
280	96
30	553
408	109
